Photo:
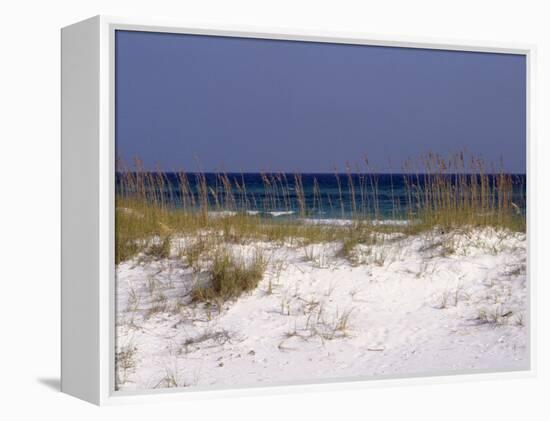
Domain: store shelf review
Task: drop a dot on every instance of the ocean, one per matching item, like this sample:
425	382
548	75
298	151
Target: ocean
317	196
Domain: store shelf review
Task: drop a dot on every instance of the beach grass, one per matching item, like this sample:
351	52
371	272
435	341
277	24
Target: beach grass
231	276
441	193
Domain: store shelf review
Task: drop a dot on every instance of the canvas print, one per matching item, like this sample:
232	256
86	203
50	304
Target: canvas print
291	212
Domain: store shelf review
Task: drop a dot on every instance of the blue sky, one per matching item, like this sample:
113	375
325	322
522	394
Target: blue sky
210	103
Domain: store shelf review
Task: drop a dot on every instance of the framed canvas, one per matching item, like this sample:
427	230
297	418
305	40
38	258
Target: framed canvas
246	209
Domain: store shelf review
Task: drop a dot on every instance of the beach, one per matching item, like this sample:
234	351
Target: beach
427	303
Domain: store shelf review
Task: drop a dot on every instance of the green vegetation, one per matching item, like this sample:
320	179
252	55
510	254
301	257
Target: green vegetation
231	276
457	193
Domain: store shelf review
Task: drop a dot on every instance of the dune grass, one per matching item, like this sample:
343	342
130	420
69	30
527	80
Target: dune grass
231	276
441	193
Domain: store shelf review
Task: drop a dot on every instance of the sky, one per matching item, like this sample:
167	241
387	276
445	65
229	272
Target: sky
193	102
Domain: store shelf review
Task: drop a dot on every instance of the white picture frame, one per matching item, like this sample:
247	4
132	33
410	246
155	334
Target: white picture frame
88	162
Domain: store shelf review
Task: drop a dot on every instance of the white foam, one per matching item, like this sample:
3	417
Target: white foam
221	214
347	222
281	213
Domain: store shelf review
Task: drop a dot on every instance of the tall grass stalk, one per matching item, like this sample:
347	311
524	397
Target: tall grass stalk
442	192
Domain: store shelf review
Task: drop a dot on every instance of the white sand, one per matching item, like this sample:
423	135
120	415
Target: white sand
427	304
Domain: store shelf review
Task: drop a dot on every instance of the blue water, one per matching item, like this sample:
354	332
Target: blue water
280	196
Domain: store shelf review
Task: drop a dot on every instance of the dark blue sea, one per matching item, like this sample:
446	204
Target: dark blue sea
322	196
